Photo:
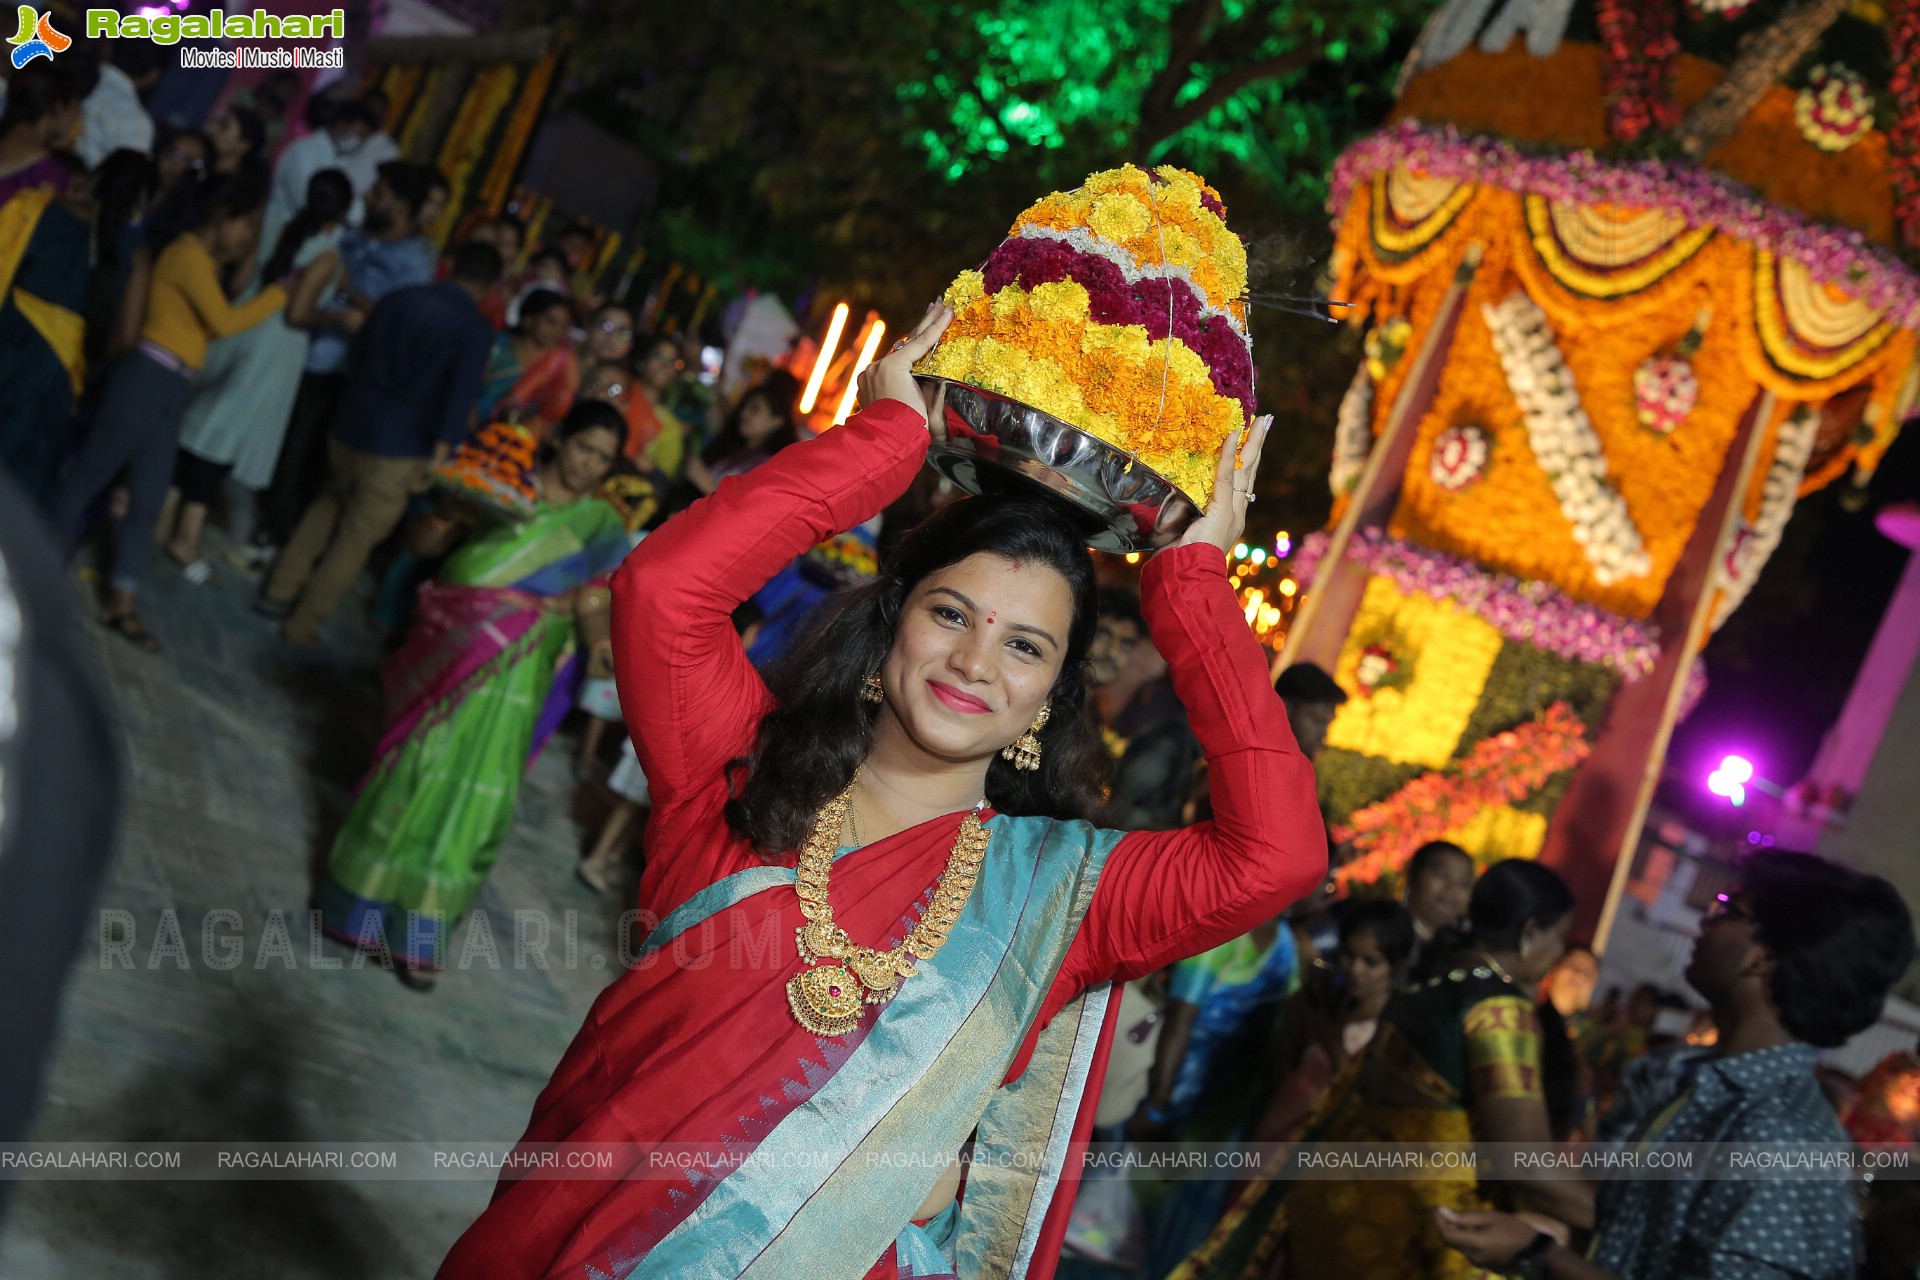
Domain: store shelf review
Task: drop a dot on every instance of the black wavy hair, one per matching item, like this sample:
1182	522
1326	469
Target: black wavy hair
585	416
1508	896
1121	604
1388	923
820	729
213	197
1427	854
411	182
329	197
122	182
1839	939
538	303
778	390
476	263
36	91
253	129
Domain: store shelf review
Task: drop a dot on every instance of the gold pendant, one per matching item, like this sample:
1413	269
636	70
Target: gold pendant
876	972
826	1000
821	940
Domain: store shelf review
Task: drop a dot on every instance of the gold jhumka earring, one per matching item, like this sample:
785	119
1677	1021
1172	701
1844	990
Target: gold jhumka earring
1024	751
873	690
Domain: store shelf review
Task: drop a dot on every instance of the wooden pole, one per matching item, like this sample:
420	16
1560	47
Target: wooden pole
1694	593
1320	627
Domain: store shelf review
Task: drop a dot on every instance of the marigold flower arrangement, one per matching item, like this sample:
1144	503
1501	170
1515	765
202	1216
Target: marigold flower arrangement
494	471
1119	308
1499	770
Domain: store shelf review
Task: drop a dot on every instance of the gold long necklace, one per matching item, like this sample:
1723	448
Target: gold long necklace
841	979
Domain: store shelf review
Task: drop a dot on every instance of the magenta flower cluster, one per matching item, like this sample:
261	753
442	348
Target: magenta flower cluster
1837	256
1530	612
1111	299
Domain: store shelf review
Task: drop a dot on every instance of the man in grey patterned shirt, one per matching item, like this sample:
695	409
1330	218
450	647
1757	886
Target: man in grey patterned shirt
1799	959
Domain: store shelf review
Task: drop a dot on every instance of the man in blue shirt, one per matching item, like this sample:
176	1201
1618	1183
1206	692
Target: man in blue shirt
413	377
1800	959
390	252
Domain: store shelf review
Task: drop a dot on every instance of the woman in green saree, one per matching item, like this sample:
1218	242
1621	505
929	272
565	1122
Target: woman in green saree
464	698
1456	1058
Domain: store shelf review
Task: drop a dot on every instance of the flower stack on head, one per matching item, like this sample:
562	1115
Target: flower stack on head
1119	309
495	471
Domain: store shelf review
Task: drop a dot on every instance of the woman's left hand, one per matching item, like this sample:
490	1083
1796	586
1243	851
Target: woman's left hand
1226	516
600	662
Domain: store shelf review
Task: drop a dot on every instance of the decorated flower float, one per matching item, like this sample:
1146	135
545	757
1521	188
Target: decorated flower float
1636	278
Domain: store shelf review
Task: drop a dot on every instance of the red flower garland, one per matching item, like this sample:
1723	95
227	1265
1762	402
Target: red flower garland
1637	51
1903	37
1498	770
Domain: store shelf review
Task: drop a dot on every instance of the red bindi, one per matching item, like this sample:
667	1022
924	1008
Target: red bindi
991	617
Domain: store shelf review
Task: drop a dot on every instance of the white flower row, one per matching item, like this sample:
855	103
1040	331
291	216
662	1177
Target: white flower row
1352	433
1087	240
1564	441
1755	542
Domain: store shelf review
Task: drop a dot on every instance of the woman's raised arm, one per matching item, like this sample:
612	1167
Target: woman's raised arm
1166	895
690	696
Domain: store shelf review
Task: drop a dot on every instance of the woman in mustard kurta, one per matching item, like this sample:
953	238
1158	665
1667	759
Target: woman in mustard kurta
138	425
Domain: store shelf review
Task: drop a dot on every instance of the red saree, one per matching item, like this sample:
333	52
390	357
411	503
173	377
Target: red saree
699	1046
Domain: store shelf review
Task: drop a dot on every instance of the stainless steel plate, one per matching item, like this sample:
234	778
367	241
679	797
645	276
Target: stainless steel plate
995	445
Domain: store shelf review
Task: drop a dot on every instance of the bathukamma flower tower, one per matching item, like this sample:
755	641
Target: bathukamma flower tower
1102	352
1636	277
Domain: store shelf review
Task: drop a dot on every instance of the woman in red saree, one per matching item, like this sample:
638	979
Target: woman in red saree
933	732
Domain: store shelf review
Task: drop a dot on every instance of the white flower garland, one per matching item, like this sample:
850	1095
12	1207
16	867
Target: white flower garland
1754	543
1352	433
1564	441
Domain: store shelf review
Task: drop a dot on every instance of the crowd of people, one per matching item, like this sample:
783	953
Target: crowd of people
222	321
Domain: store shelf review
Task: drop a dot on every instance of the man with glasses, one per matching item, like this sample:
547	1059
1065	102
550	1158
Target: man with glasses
1799	959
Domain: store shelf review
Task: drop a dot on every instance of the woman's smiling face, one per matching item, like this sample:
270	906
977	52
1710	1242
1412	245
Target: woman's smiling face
978	649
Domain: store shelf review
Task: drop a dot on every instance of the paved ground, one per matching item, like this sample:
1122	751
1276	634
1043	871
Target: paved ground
241	757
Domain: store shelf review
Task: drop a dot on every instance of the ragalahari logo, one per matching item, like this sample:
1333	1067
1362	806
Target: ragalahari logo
37	38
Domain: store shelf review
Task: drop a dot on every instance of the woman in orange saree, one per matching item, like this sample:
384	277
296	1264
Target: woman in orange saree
930	755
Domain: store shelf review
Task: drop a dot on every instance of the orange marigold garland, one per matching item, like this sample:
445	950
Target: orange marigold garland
1499	770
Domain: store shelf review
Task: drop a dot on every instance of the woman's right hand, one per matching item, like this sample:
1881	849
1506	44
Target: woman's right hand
891	376
1226	515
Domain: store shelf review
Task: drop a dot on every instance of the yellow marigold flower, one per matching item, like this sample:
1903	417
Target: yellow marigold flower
1182	246
1187	365
1129	340
1125	178
1119	217
967	288
1060	302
